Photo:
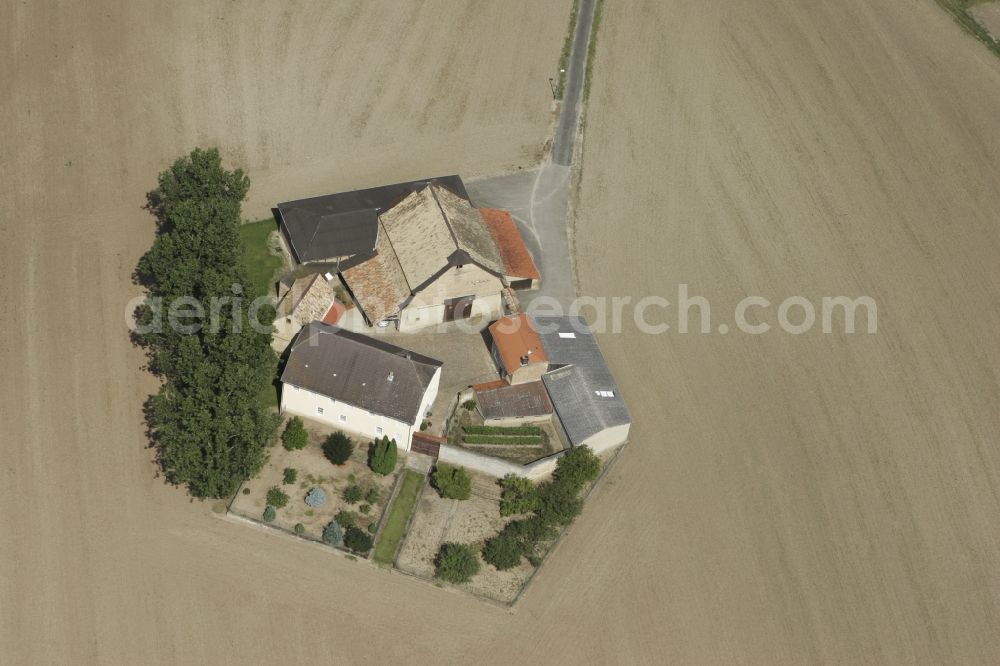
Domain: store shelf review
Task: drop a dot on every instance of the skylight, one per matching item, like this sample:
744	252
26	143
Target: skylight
567	335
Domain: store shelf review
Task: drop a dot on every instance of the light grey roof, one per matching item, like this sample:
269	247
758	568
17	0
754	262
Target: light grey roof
356	369
580	385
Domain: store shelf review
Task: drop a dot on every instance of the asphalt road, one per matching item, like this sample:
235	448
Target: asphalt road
569	113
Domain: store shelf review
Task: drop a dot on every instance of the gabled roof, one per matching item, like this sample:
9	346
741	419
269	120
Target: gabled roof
346	223
580	384
378	284
514	253
419	235
308	298
515	338
361	371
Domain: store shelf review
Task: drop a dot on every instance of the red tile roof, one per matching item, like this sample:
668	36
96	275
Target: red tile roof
486	386
513	251
334	314
515	337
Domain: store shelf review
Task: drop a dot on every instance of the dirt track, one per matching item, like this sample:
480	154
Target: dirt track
785	499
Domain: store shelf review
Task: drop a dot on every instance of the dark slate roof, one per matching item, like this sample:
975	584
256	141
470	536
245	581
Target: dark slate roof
513	401
355	369
346	224
579	373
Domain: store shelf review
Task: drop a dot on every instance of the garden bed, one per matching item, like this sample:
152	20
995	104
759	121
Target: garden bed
313	470
399	517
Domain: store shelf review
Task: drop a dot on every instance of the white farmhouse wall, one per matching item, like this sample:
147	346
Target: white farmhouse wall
607	438
352	420
495	466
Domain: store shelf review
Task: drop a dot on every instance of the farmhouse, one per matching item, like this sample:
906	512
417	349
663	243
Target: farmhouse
561	354
416	253
358	384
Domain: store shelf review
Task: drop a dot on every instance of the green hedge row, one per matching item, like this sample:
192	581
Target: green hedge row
495	439
502	430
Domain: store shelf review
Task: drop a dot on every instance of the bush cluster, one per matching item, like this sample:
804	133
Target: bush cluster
316	497
372	496
552	504
358	540
353	493
295	436
277	497
333	534
338	448
456	562
345	518
452	482
383	456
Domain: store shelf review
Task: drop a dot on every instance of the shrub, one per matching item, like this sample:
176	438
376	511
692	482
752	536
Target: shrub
457	562
246	491
345	518
519	495
333	534
316	497
295	436
372	527
269	513
424	425
503	551
364	508
357	540
291	474
558	503
276	497
469	405
300	529
338	448
452	482
371	497
353	494
577	468
383	456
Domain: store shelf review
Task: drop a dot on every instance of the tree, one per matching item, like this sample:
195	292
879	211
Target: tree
577	468
300	529
295	436
353	494
452	482
277	497
289	476
206	421
269	513
457	562
519	495
338	448
333	534
558	503
357	540
383	456
503	551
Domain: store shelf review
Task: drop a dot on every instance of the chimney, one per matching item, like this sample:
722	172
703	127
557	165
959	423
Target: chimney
391	376
524	360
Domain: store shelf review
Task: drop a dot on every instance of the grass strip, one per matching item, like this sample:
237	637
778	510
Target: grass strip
592	48
567	47
398	518
260	264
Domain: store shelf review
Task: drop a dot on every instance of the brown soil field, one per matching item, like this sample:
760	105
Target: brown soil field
784	499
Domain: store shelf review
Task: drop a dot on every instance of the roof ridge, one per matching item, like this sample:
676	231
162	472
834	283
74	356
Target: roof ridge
447	222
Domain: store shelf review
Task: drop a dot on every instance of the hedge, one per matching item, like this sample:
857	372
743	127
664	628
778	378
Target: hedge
503	441
502	430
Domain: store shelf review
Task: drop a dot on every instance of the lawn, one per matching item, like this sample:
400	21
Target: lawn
399	516
260	264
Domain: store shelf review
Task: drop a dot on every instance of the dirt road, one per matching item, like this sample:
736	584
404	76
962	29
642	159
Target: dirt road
785	499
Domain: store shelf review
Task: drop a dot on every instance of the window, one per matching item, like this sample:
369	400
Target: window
319	411
343	418
566	336
605	394
399	437
378	431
